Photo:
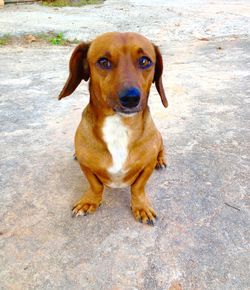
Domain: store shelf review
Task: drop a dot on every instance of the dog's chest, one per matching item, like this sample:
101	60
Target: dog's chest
116	137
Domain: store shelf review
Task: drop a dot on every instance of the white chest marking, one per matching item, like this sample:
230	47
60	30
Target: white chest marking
115	134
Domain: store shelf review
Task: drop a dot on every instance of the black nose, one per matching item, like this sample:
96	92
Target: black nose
130	97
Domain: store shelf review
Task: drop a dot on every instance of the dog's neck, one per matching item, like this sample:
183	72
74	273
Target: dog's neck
134	121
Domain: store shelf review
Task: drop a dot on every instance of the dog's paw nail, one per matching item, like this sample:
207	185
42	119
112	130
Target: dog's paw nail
150	223
73	212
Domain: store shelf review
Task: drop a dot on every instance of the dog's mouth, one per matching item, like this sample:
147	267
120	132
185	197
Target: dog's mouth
127	111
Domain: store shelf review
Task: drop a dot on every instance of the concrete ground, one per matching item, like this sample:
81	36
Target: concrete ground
201	240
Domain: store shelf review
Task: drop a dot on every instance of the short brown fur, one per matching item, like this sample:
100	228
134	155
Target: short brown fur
145	146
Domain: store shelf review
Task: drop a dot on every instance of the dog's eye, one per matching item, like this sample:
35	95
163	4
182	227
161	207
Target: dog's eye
104	63
144	62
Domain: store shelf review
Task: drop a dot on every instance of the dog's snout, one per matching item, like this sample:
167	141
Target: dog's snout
130	97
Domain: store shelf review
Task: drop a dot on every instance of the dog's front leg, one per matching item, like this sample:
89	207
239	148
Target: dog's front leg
140	205
92	198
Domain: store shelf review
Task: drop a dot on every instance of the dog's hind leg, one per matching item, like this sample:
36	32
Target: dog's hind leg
161	161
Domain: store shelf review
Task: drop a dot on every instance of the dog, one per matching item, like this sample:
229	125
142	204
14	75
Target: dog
117	143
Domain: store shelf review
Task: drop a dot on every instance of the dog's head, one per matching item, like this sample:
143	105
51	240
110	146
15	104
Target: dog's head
121	68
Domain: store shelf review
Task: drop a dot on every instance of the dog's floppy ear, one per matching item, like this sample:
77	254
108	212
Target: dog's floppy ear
158	77
78	70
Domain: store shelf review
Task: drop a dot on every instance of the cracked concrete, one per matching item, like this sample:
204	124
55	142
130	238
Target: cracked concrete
201	240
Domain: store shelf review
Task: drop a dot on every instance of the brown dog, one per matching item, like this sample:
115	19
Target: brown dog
117	143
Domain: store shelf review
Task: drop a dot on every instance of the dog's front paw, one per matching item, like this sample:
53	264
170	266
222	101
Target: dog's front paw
87	204
144	213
